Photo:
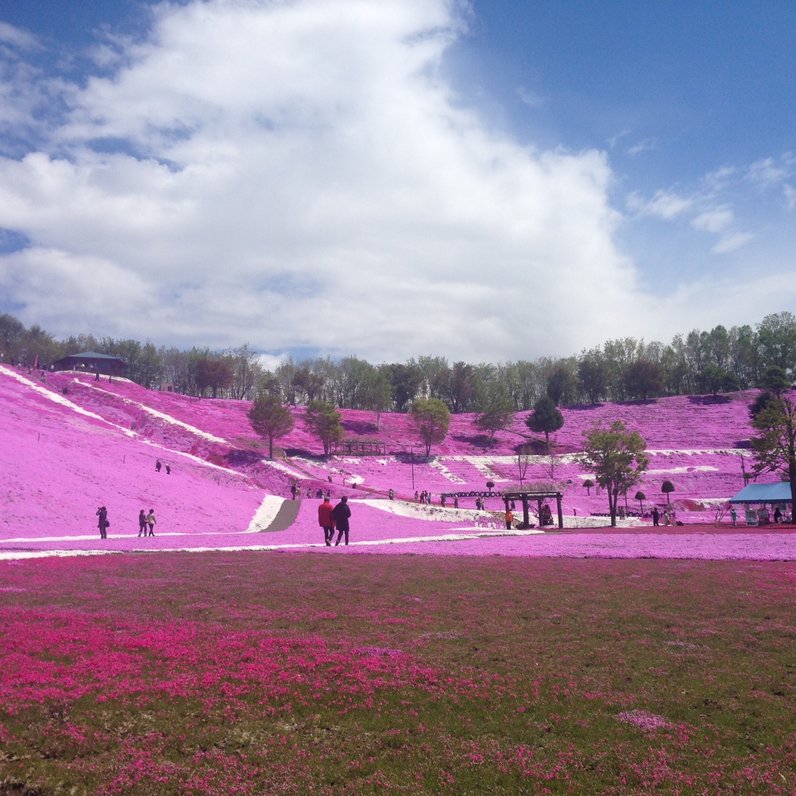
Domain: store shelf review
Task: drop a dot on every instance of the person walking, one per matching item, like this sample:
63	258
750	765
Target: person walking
509	519
103	522
326	521
656	516
341	514
150	521
142	523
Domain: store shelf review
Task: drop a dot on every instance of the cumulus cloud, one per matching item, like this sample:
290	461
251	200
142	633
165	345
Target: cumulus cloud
299	175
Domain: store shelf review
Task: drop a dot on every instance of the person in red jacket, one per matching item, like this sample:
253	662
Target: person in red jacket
325	521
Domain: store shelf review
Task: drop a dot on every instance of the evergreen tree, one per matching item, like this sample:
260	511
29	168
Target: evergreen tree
545	418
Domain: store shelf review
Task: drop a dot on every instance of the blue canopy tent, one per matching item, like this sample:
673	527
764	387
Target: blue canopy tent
761	494
764	493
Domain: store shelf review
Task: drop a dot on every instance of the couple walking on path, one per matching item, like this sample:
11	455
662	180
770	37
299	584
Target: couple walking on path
146	522
330	518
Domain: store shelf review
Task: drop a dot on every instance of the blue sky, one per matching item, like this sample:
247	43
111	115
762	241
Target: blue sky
483	181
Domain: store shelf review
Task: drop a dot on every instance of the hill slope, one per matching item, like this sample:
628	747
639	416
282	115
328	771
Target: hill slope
72	443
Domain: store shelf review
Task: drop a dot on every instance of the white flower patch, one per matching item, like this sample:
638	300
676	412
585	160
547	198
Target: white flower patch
452	477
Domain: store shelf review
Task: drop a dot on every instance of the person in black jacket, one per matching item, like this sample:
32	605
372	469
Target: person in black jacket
102	522
340	513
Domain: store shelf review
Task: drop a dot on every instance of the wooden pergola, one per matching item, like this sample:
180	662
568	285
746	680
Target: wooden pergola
524	496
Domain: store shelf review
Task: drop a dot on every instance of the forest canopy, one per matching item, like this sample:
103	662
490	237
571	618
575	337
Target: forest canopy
720	360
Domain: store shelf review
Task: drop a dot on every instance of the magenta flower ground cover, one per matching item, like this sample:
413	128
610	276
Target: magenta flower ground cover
244	674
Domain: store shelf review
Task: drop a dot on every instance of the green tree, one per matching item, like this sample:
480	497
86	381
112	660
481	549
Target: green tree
214	372
588	484
270	419
562	386
495	411
405	381
325	422
307	381
431	418
593	376
376	393
640	497
774	447
617	457
643	379
715	379
667	487
545	418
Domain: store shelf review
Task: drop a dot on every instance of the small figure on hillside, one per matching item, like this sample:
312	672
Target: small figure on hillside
326	521
456	503
96	377
103	522
509	519
158	465
150	521
391	494
777	515
667	518
294	490
547	515
733	516
319	493
442	500
309	492
168	469
340	514
656	516
142	523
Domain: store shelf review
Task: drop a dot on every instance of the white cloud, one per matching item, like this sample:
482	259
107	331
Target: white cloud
530	98
732	241
715	219
766	173
664	204
298	175
16	37
647	145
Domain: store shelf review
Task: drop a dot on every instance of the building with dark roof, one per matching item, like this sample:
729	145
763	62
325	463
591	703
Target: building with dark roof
92	362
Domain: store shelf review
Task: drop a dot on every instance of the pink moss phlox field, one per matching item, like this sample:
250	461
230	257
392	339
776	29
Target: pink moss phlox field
73	443
242	673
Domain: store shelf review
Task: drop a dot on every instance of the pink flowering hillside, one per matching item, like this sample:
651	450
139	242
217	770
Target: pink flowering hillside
71	443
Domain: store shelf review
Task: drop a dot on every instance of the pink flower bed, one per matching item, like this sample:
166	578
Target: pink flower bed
66	454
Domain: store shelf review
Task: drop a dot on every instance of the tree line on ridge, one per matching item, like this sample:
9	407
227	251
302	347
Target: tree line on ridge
719	360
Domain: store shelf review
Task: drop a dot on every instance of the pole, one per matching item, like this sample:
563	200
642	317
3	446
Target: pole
412	454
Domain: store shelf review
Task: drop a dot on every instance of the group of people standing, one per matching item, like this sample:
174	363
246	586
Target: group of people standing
146	522
669	516
331	517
